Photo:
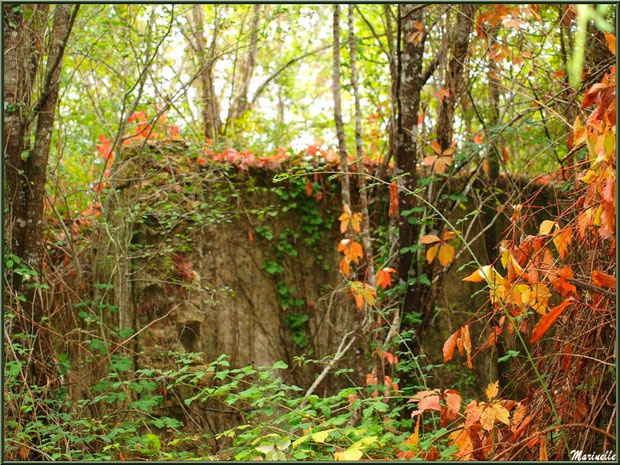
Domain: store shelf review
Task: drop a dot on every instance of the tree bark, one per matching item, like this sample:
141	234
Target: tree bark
342	146
27	165
240	103
454	76
212	124
21	60
409	85
366	242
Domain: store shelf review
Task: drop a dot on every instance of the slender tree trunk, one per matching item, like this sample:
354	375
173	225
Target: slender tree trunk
36	164
240	103
410	82
212	123
492	236
342	146
21	58
454	76
493	153
360	156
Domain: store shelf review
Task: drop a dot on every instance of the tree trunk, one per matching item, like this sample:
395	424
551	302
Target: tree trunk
342	146
410	82
27	166
240	103
212	124
360	156
454	77
21	59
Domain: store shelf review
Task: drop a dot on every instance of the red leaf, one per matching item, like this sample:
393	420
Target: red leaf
393	199
547	320
308	188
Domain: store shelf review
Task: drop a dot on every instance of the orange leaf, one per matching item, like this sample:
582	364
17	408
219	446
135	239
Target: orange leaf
250	235
440	165
562	240
345	266
611	42
547	320
446	253
430	253
467	344
308	188
429	239
603	280
429	160
384	278
449	346
461	439
475	277
393	199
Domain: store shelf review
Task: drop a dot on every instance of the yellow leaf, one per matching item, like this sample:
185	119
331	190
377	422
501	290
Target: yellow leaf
546	227
430	253
579	132
487	418
446	253
321	436
492	390
589	177
356	221
349	455
502	414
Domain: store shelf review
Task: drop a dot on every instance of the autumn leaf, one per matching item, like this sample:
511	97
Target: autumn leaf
427	400
603	280
440	159
363	294
611	42
429	239
442	93
492	413
562	240
354	219
475	277
559	280
444	250
309	189
547	320
492	390
349	455
351	249
384	279
546	227
393	210
449	346
460	438
446	253
345	266
462	340
417	35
